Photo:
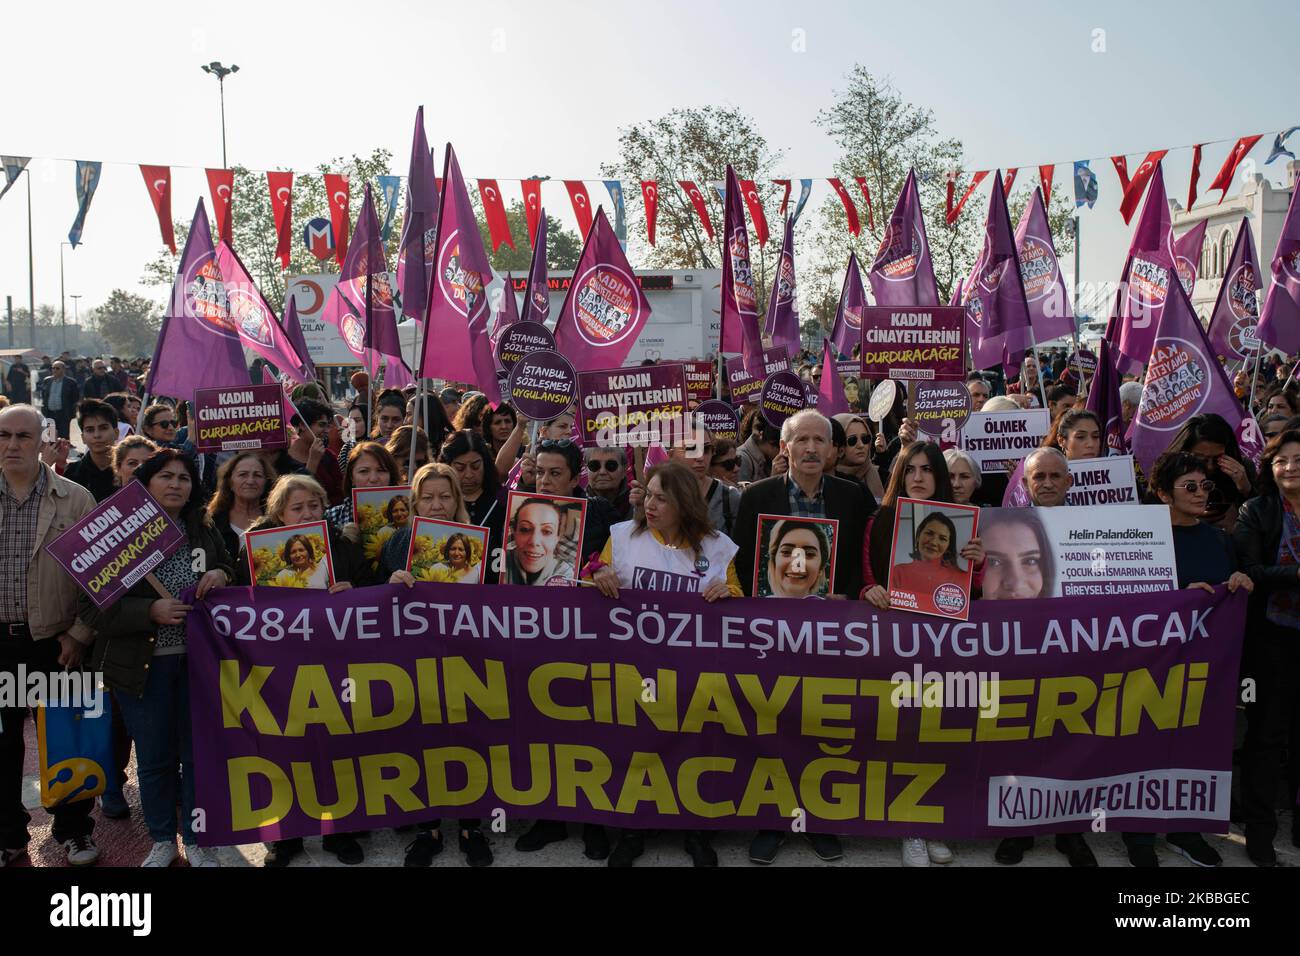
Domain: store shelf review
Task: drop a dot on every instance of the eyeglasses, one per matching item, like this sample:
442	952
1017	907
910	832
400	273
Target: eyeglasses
548	443
163	423
609	464
731	464
853	440
1191	487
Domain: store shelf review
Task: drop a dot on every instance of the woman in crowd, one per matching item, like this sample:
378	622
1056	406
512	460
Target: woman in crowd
725	463
1077	433
369	465
1267	540
390	412
128	455
433	420
671	538
140	650
798	559
485	500
1213	440
856	463
1283	398
1027	383
399	446
964	474
722	500
243	483
471	412
496	424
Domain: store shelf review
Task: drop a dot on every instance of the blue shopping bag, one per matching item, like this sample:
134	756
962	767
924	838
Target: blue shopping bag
75	743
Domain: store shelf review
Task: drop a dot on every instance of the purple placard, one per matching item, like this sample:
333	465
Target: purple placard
699	380
720	418
934	403
542	385
114	546
232	419
783	394
743	386
494	649
521	339
919	343
851	368
776	359
626	406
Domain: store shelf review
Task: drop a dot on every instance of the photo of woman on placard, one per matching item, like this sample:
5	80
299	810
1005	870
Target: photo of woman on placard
296	556
927	574
1018	558
300	562
800	557
542	539
446	552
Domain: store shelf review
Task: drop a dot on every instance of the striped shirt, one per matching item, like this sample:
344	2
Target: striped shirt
18	520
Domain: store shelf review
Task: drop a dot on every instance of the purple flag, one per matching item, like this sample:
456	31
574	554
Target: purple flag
782	325
831	399
1103	400
458	299
290	410
1040	271
903	273
996	310
847	330
293	332
365	270
198	345
605	310
1187	255
740	330
1144	286
1184	379
253	318
1233	323
537	294
396	374
419	229
1279	323
349	318
508	314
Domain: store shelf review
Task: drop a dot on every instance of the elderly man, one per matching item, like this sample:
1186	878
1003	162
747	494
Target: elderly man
43	619
979	391
805	491
1130	396
100	383
59	394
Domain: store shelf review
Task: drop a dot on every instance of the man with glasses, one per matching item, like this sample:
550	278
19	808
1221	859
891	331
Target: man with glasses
100	383
44	619
59	394
607	479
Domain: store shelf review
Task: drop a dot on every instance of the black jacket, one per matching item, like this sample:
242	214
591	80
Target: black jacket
71	394
846	501
1256	537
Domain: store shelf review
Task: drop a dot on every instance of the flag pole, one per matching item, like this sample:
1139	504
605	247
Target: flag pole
1254	379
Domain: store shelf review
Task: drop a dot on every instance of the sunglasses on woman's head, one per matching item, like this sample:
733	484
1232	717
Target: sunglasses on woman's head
609	464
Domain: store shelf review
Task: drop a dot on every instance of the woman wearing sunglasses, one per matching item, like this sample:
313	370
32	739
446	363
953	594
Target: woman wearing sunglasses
725	465
856	464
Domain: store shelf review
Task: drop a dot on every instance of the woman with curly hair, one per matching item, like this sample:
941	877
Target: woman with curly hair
243	483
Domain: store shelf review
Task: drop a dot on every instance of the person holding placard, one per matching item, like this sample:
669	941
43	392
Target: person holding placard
140	649
243	482
370	465
471	459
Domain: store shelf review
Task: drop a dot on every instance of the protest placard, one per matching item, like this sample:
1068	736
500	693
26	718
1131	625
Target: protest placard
940	408
447	552
914	342
998	440
775	359
520	339
543	539
380	513
699	380
292	556
542	385
627	406
232	419
782	396
1093	481
796	556
744	387
719	418
926	571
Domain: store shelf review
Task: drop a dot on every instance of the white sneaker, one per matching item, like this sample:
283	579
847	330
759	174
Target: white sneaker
81	851
914	853
162	855
201	855
939	851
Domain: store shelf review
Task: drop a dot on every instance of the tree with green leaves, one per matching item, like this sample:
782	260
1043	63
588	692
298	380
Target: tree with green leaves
128	323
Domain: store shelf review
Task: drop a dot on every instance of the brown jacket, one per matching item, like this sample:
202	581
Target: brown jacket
54	601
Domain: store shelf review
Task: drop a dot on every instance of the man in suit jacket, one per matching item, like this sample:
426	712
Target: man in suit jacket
804	491
59	396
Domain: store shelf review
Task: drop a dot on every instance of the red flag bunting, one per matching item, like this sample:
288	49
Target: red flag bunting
158	180
336	189
697	200
1138	184
785	200
850	210
866	194
1224	177
221	186
1196	175
495	211
1121	169
1045	177
281	186
755	207
581	203
650	196
532	204
955	211
1011	178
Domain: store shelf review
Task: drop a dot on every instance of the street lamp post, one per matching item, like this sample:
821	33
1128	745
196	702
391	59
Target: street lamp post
76	320
221	72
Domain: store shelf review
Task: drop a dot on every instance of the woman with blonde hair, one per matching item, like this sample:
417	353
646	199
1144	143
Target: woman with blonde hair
128	455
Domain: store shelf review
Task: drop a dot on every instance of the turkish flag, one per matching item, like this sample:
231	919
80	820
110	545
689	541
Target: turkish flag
1011	178
785	200
697	200
1196	176
955	211
581	203
336	191
281	186
1045	177
221	185
849	209
866	194
650	196
1121	169
495	210
755	207
532	204
158	180
1224	178
1138	184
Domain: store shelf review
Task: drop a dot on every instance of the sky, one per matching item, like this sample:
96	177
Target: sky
526	89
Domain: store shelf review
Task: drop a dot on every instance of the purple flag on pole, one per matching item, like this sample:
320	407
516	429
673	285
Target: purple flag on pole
396	374
349	318
365	277
458	298
286	403
253	318
847	330
419	229
996	310
740	329
1279	323
1184	379
831	399
1103	400
1144	286
605	310
1049	300
537	294
782	325
903	273
1187	254
508	314
198	345
1233	323
293	332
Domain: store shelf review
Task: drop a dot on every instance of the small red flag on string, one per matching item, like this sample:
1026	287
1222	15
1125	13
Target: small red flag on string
1224	177
866	194
785	199
1011	178
158	180
755	207
1045	177
281	186
955	211
697	200
1138	184
532	204
336	190
1196	175
650	196
495	212
221	185
581	203
1121	169
849	209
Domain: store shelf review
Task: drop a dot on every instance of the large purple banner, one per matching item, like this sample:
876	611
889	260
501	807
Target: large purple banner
318	713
